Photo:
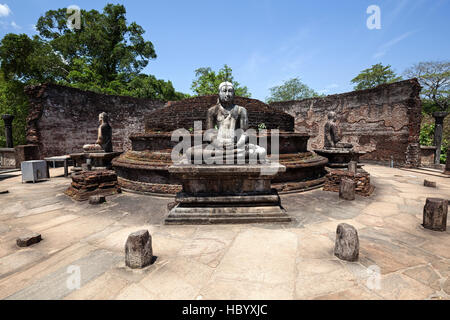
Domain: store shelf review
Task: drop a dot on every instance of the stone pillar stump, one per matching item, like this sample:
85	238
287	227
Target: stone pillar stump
347	189
435	214
138	250
347	242
353	167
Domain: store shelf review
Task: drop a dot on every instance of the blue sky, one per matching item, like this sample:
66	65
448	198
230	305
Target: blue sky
325	43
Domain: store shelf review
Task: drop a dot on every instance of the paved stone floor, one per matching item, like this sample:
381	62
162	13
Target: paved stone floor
398	258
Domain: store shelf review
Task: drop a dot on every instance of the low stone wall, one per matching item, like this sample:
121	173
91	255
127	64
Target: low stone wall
383	121
361	179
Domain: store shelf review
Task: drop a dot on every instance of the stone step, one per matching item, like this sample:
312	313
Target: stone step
227	219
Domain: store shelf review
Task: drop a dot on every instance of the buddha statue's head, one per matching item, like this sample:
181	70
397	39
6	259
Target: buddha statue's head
103	117
332	116
226	92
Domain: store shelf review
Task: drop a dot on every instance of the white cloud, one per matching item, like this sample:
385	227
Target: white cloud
383	49
255	62
15	25
4	10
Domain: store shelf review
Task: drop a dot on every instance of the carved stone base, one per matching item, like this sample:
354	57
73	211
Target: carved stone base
226	194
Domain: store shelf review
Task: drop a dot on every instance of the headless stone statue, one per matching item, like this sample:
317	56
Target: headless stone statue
104	138
332	135
228	143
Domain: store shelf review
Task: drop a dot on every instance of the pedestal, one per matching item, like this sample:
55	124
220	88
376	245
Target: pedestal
339	158
227	194
98	160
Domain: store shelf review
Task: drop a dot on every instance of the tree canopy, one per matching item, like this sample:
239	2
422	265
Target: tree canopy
107	54
434	77
374	76
292	89
207	82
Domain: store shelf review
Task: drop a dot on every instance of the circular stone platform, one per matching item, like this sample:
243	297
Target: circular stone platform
144	169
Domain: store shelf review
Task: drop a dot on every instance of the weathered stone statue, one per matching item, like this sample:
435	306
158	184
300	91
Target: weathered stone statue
332	134
226	125
104	139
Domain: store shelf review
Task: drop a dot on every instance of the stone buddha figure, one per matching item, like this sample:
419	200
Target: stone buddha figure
332	134
104	137
226	124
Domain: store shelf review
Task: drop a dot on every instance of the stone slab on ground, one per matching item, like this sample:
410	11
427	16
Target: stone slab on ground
28	240
62	282
266	261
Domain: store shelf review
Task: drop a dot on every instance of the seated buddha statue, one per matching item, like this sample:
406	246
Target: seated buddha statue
332	135
104	137
226	124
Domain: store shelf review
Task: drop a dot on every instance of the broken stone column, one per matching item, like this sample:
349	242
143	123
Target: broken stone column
8	119
353	167
435	214
438	127
347	242
138	250
347	189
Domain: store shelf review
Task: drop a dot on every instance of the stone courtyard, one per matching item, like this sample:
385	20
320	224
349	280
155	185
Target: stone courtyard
256	261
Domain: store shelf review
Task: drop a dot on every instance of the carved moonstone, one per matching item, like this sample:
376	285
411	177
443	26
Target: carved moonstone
435	214
138	250
347	242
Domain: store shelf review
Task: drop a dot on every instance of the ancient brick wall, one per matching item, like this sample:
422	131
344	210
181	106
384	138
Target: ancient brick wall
382	121
182	114
63	119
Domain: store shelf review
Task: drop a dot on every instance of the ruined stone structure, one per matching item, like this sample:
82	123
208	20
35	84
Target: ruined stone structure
361	179
62	119
145	167
93	183
382	121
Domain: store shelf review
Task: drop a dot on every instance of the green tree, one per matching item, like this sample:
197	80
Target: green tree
434	77
374	76
110	46
13	101
292	89
207	82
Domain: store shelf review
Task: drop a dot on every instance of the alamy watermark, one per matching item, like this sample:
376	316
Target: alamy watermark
74	19
73	281
374	280
374	20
